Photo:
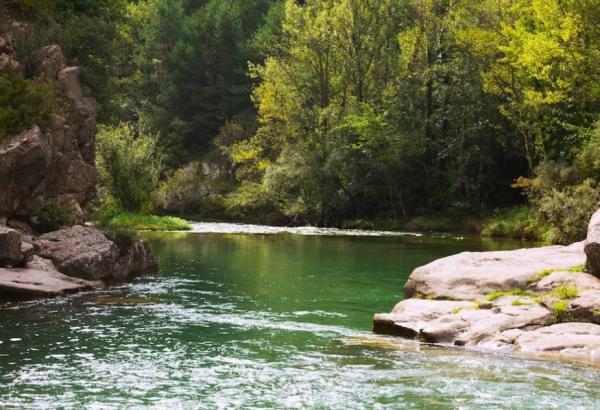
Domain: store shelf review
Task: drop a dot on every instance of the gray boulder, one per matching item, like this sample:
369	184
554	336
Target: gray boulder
86	253
472	275
10	247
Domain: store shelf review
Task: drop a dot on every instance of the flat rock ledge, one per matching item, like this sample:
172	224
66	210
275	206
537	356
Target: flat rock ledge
75	259
533	301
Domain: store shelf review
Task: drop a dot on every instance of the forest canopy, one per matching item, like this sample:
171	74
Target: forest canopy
326	111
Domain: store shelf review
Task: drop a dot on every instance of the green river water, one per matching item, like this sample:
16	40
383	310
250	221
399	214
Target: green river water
262	320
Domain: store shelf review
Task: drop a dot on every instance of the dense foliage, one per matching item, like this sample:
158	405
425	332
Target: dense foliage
24	102
129	165
325	111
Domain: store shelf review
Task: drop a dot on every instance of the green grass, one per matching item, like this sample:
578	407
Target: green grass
475	306
129	221
560	307
546	272
564	292
499	294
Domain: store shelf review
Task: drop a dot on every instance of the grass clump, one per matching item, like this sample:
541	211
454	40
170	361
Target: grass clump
546	272
475	306
565	292
138	222
499	294
560	308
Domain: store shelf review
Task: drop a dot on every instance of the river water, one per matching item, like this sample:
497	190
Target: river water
250	317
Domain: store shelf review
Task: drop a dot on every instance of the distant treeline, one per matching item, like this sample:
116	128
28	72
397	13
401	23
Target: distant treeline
322	111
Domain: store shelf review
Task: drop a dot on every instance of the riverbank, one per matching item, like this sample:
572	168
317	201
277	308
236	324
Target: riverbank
538	300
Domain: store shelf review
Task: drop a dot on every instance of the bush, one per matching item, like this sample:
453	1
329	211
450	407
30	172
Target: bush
518	223
568	211
51	216
129	165
189	192
25	102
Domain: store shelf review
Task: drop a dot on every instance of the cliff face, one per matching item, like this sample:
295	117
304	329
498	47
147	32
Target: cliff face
56	163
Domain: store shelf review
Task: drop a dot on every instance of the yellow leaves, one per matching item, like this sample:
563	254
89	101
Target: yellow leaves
244	154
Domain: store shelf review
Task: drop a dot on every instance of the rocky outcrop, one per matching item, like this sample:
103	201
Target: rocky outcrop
8	55
86	253
528	300
57	163
69	260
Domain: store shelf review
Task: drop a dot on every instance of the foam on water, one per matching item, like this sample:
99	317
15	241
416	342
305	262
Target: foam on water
249	229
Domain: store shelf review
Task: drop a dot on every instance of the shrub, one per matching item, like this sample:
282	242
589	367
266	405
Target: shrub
25	102
51	216
568	211
129	165
189	192
519	223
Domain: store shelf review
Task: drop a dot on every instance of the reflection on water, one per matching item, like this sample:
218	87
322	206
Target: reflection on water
263	321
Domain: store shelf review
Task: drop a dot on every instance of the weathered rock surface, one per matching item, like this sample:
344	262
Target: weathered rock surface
24	165
564	338
512	301
592	245
8	55
459	323
40	278
85	252
472	275
47	62
56	164
10	247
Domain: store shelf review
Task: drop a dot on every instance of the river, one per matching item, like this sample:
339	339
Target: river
251	317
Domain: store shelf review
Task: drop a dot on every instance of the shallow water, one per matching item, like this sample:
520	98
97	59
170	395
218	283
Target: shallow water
263	321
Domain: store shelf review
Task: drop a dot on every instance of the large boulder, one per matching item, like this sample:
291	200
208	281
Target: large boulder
86	253
10	247
592	245
472	275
